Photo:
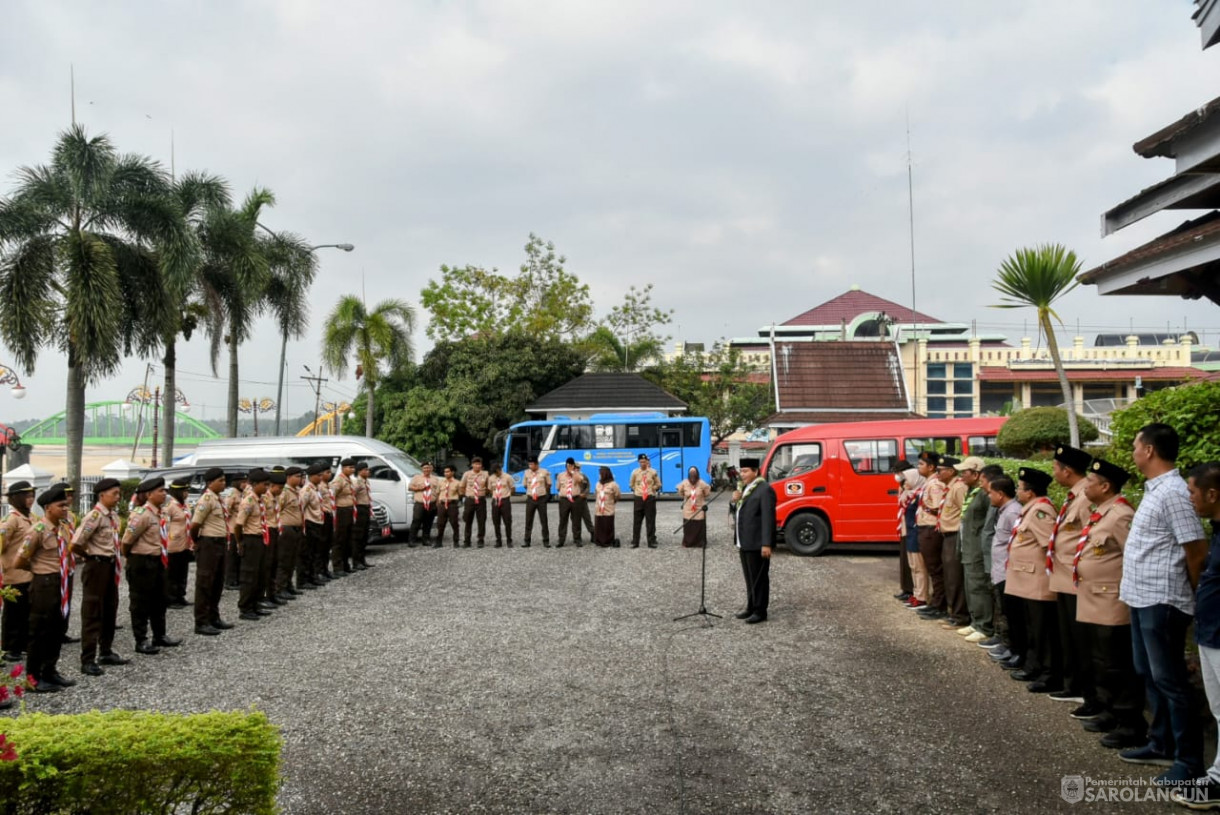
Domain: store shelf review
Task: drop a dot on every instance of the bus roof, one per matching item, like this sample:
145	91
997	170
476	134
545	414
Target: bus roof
898	427
613	418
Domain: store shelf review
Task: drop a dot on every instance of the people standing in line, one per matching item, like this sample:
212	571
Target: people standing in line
310	572
44	553
1117	706
755	523
949	524
146	546
329	522
1027	579
537	482
250	521
71	520
292	533
211	531
501	485
1161	564
364	516
1012	653
906	579
450	501
473	489
999	623
1204	486
345	517
425	491
571	489
586	517
180	544
277	479
910	491
96	544
931	541
970	547
607	498
15	615
644	484
232	497
694	492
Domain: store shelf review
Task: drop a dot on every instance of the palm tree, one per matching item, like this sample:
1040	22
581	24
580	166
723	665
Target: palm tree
293	266
1038	277
372	336
607	352
77	270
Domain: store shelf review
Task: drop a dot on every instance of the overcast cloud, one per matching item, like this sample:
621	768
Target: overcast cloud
748	159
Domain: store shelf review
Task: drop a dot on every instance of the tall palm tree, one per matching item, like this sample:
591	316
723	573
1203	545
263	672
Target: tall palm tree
77	270
607	352
1037	277
371	336
293	267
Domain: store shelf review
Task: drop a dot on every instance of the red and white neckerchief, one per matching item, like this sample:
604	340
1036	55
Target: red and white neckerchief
694	501
1017	528
571	483
1050	549
279	512
224	513
948	487
118	551
499	492
163	528
478	489
65	599
534	478
644	478
904	503
262	520
601	498
427	494
1084	538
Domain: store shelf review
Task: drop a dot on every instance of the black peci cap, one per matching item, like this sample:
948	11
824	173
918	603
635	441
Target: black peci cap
948	462
293	470
259	476
361	465
278	477
1073	457
752	463
211	474
318	467
348	462
1035	477
1116	475
105	484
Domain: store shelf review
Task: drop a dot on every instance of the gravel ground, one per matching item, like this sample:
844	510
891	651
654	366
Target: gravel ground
510	680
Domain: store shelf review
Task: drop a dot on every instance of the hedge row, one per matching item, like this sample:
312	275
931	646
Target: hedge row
130	761
1132	491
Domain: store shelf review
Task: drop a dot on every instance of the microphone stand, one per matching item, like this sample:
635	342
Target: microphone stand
702	612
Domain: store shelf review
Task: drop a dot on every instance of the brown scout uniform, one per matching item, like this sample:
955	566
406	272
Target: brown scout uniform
450	498
96	541
212	519
345	516
474	490
1100	568
572	489
500	489
1027	557
13	532
1075	519
145	571
694	499
47	621
252	524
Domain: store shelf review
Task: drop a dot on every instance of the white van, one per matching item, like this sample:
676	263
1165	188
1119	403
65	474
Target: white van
389	468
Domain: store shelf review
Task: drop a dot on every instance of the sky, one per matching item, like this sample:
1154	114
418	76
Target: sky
749	159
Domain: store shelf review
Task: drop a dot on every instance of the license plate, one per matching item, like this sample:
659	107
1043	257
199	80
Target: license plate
386	532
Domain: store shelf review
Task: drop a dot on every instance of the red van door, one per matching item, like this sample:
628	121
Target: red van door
868	493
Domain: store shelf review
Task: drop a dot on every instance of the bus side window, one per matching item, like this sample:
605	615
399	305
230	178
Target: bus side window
981	446
643	435
945	446
563	438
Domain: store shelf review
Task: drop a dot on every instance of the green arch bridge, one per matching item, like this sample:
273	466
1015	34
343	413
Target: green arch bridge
106	423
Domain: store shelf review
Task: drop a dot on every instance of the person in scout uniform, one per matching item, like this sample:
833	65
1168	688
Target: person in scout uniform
232	497
345	517
473	488
364	516
607	496
501	485
309	568
96	545
1027	579
210	530
1096	568
450	500
425	491
252	524
327	496
644	483
146	545
277	479
45	554
15	616
931	541
537	483
950	520
970	545
71	519
292	533
571	487
180	545
694	492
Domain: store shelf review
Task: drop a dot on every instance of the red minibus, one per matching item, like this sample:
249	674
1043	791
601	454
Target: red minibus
834	483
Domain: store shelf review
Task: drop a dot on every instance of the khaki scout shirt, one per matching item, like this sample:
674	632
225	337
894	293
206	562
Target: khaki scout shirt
291	513
474	485
98	534
271	508
951	509
250	517
641	479
327	496
451	490
41	546
934	492
341	487
363	493
311	503
576	482
1027	559
13	533
1075	519
537	483
211	516
232	500
1100	568
179	524
143	533
501	487
694	498
607	496
427	489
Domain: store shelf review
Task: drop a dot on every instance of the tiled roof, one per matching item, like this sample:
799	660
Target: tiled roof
609	392
1161	143
1189	232
1176	374
858	378
851	304
802	419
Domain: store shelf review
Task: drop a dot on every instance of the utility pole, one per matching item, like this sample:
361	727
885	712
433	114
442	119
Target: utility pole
156	416
316	383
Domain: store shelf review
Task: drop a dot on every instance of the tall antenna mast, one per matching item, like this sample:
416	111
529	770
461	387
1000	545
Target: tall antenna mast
173	175
911	219
72	79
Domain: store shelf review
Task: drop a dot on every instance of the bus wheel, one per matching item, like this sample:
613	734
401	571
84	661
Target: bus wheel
807	534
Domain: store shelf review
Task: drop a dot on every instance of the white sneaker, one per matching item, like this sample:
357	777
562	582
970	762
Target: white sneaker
977	636
966	631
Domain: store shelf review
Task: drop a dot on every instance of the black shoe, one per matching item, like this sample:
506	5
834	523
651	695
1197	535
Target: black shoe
1043	686
1101	724
932	615
207	630
499	545
232	586
1089	710
146	647
466	545
309	586
57	678
113	659
46	687
249	615
67	640
653	545
525	545
266	605
742	615
1013	664
559	545
1024	675
293	591
578	544
119	626
286	598
635	546
166	642
756	618
360	567
509	544
220	624
92	669
176	604
276	600
327	575
480	544
1123	740
617	544
546	544
436	546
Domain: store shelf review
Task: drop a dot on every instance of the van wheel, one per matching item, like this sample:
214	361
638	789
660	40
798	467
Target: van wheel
807	534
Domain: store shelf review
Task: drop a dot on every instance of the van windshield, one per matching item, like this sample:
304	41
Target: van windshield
794	459
407	465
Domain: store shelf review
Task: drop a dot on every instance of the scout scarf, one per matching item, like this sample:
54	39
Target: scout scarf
1050	549
65	599
1084	538
163	529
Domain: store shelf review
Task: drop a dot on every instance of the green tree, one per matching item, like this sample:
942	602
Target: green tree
719	386
78	271
384	333
543	299
1188	409
1037	277
626	340
292	267
421	421
1040	430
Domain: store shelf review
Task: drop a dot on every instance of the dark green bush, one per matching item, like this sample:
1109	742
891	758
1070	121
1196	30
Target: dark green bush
1040	429
130	761
1132	491
1192	410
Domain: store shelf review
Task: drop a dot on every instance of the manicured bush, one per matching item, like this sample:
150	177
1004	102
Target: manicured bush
1192	410
131	761
1039	430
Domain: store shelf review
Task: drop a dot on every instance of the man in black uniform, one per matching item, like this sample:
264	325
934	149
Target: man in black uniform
755	538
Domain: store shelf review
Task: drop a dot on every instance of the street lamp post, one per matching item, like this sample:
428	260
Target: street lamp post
255	407
279	391
8	436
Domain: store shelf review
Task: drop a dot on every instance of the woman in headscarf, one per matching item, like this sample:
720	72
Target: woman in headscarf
911	485
608	494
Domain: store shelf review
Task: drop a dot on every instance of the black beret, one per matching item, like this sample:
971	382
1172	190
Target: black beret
1034	477
279	468
931	457
236	476
211	474
318	467
642	457
752	463
19	487
180	483
68	488
348	462
361	465
570	460
105	484
291	471
259	476
52	495
949	461
279	477
1111	472
532	460
150	484
1072	457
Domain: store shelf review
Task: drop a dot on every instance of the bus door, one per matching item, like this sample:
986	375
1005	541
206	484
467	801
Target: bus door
518	452
670	468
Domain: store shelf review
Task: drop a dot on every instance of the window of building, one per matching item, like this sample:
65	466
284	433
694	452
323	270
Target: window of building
955	379
872	456
1045	394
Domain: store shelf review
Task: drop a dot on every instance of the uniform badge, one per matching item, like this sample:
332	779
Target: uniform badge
1042	516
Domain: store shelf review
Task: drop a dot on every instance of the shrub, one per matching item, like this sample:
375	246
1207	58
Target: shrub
131	761
1192	410
1012	467
1040	429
